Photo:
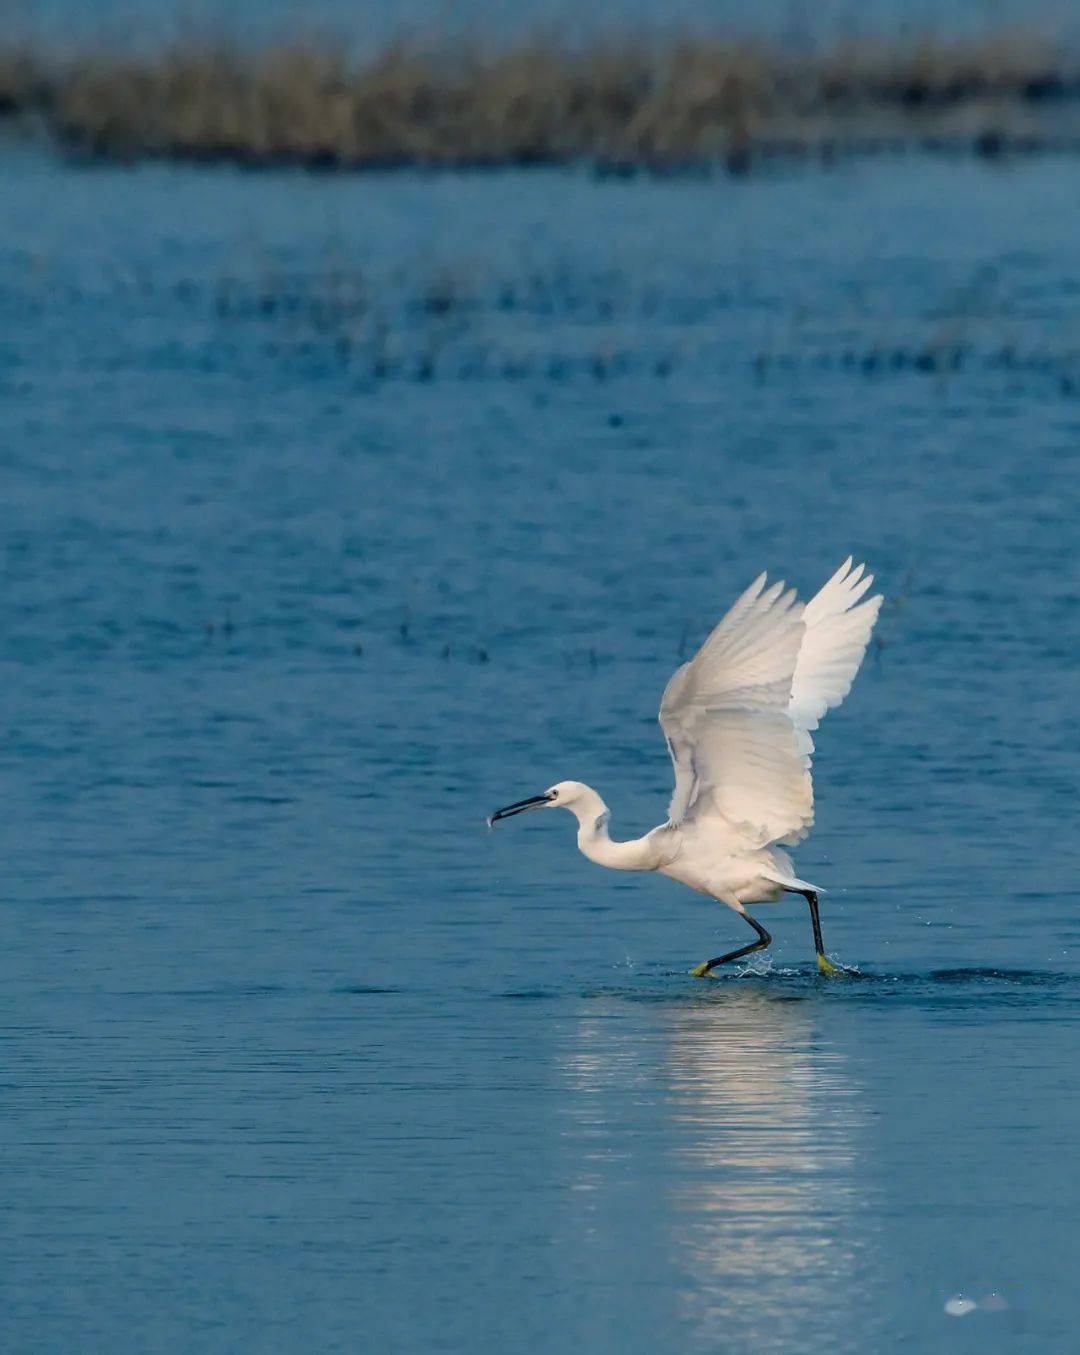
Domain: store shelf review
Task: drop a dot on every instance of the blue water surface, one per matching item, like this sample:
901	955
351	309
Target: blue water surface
366	28
338	512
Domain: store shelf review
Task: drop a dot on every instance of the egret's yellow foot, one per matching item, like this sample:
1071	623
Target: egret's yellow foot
700	971
826	966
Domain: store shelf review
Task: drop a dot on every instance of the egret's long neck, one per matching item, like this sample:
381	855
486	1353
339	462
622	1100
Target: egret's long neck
592	816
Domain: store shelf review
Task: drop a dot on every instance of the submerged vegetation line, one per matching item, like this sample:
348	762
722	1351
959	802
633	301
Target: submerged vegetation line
691	103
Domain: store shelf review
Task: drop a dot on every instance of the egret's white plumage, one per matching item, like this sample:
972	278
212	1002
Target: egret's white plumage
738	719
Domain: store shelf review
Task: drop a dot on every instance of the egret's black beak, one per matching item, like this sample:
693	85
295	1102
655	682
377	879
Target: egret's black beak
520	806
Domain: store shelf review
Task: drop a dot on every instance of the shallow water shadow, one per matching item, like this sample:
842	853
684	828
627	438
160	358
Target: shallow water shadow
983	988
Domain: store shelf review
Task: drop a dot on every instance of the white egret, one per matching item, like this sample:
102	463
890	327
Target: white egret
738	719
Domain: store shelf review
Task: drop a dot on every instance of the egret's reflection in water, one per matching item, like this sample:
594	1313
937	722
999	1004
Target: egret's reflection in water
740	1125
766	1126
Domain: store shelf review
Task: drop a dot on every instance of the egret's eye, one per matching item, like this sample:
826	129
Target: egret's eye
554	794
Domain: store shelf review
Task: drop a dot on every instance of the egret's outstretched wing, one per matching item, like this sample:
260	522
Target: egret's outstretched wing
725	715
837	633
738	716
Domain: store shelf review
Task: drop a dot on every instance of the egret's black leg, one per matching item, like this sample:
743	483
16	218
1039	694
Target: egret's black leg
763	940
823	962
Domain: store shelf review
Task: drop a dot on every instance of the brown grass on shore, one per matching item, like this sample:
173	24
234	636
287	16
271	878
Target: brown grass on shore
691	102
23	83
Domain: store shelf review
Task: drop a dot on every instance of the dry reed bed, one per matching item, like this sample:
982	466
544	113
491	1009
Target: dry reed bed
688	103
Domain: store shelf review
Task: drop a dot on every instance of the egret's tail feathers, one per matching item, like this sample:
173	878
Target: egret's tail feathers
792	882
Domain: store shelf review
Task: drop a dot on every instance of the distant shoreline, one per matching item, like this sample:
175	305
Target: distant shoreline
694	104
